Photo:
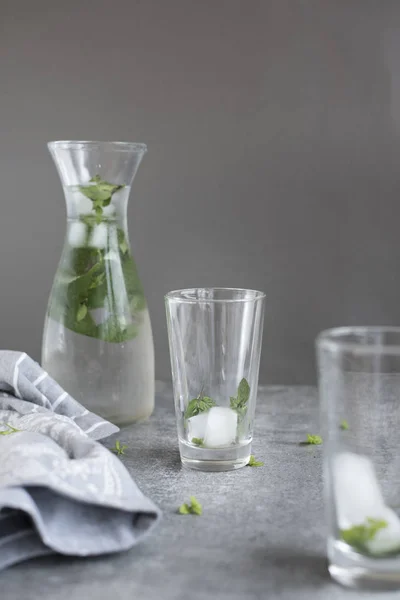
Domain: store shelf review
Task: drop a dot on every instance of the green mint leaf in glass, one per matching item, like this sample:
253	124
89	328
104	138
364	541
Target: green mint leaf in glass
194	508
344	425
132	282
358	535
99	192
118	449
82	312
243	394
122	243
96	195
197	441
315	440
254	463
198	405
239	404
123	247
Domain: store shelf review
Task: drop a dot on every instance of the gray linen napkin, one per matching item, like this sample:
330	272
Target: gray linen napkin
60	490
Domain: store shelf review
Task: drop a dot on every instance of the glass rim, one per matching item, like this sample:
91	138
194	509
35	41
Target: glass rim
93	144
334	339
177	295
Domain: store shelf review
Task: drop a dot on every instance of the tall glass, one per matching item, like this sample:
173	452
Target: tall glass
215	337
359	383
97	339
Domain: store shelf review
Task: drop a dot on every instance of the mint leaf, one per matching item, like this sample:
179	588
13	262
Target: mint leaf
10	429
194	508
314	439
254	463
82	312
132	282
358	535
243	394
239	404
198	405
99	192
97	196
197	441
118	449
122	243
123	247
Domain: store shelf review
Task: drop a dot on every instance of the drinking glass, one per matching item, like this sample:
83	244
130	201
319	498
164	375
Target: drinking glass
359	384
215	337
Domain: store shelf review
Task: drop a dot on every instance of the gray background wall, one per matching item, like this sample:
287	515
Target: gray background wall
273	131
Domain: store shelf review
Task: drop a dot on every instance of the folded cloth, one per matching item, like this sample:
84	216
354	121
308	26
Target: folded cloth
60	490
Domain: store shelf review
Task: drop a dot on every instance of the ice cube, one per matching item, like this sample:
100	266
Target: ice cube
221	427
78	203
84	205
197	426
77	234
99	236
356	488
109	211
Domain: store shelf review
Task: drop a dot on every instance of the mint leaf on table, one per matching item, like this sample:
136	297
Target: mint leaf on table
315	440
358	535
254	463
198	405
118	449
10	429
194	508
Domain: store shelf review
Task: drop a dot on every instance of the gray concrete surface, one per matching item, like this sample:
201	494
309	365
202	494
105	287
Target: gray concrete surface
261	535
274	149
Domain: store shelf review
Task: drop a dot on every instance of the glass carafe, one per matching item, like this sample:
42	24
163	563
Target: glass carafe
97	340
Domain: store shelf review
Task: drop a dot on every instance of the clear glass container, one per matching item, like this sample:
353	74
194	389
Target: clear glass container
215	337
359	386
97	340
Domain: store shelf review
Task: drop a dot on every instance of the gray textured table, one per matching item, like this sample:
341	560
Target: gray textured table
261	534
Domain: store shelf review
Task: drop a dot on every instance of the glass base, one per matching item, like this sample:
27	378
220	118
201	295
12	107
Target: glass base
362	572
214	459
